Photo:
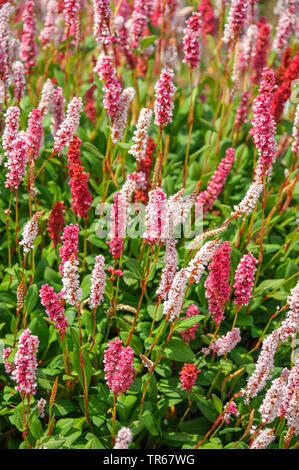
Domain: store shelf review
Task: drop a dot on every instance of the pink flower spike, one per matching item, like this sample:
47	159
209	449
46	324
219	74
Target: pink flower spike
98	282
156	211
101	22
112	86
230	410
217	282
35	132
69	126
53	306
191	40
123	438
140	16
169	269
58	114
215	185
11	129
50	31
225	344
28	50
263	125
70	244
18	80
235	21
188	376
25	363
164	90
17	159
189	334
118	365
244	279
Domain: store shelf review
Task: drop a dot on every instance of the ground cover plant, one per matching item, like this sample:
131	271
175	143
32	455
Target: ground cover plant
149	293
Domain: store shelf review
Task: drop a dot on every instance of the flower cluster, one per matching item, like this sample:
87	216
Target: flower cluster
140	15
70	244
120	121
156	212
198	264
123	438
173	305
169	269
53	306
143	184
56	222
264	366
191	40
98	282
206	11
25	362
118	366
28	49
244	279
112	87
235	21
189	334
165	90
217	282
225	344
81	198
263	125
35	132
30	232
285	27
50	31
215	185
273	399
242	110
230	410
261	49
188	376
71	292
69	126
101	21
263	439
140	135
295	133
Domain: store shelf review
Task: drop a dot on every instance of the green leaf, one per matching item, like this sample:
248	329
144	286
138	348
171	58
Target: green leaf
217	403
179	351
145	42
187	323
31	298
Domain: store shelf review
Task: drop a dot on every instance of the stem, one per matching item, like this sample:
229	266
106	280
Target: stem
190	123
